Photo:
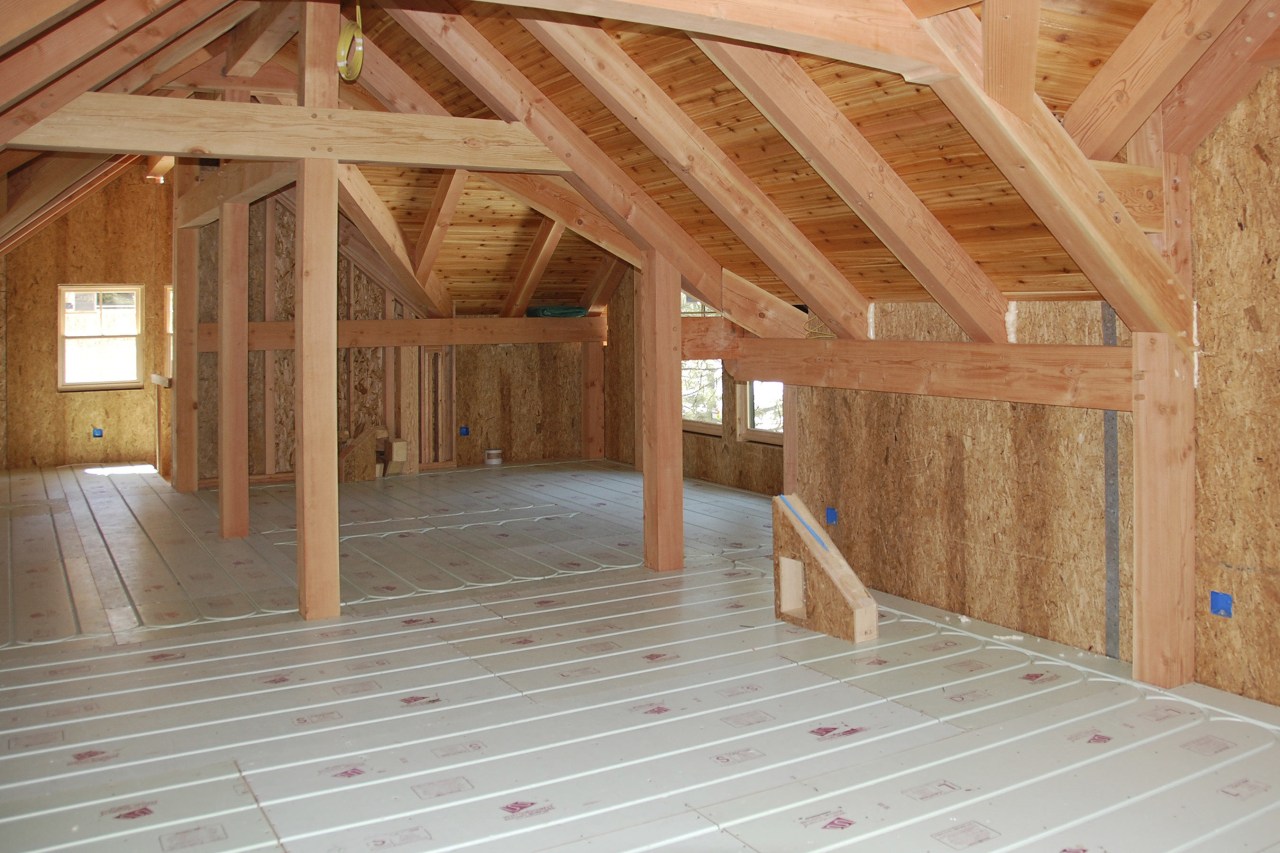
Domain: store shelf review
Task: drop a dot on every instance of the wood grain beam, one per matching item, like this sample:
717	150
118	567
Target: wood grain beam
1066	192
1220	79
42	60
22	20
1140	189
875	33
593	414
75	192
105	66
484	69
603	284
929	8
435	228
1074	376
605	69
1010	33
850	165
360	202
1164	475
1164	45
708	338
208	76
260	36
550	196
186	312
657	370
43	182
241	182
233	371
185	53
143	125
454	331
532	268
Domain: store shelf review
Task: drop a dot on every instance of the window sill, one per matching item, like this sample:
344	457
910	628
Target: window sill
704	428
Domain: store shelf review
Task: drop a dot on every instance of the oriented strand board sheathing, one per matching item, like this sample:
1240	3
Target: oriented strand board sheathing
988	509
1234	176
619	374
112	237
525	400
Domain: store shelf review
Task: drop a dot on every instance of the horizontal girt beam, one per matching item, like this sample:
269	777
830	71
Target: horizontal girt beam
191	128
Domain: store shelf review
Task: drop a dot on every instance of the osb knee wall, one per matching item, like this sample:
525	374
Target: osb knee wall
117	236
721	459
1235	177
992	510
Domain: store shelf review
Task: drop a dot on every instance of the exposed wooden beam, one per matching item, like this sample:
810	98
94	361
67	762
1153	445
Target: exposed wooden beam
105	66
1010	32
316	330
370	214
233	371
605	69
42	60
1075	376
1146	151
604	283
593	422
708	338
658	378
184	54
45	180
1220	79
1164	475
21	20
532	268
260	36
75	192
483	68
440	215
1065	191
816	128
1140	189
454	331
244	182
550	196
876	33
1169	39
143	125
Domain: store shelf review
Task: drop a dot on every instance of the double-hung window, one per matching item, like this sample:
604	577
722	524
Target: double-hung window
99	337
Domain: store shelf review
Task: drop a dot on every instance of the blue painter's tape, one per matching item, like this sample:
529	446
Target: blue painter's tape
813	532
1220	604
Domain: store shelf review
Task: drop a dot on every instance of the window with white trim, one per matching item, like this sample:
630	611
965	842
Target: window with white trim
99	337
702	395
760	411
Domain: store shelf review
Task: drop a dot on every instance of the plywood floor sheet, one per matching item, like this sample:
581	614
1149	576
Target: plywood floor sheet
612	710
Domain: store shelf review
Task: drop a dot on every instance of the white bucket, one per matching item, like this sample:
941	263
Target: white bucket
493	456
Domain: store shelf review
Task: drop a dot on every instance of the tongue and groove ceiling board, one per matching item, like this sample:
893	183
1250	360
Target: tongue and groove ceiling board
491	230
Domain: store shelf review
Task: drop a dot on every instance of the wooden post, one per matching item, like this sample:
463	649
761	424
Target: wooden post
1164	512
658	376
592	401
316	335
186	316
790	439
233	370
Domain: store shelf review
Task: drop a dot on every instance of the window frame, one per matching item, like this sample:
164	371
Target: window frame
746	432
138	338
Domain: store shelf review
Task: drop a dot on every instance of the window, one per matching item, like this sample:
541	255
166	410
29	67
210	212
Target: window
690	307
170	356
99	337
760	411
702	397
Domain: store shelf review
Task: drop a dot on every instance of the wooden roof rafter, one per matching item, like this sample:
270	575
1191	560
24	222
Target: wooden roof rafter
478	64
604	68
532	268
260	36
21	20
797	107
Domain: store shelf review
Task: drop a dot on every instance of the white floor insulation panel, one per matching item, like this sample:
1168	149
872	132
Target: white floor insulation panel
504	678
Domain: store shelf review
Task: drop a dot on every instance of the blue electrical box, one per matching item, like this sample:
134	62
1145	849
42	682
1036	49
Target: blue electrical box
97	432
464	431
832	515
1220	604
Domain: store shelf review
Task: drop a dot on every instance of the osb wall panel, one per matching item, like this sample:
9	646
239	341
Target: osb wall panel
368	379
619	376
116	236
207	363
992	510
257	360
283	386
1237	218
525	400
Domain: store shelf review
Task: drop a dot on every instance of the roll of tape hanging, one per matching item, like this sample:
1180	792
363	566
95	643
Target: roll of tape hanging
351	49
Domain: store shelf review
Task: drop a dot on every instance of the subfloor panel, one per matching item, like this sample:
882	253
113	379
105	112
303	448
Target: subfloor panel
503	681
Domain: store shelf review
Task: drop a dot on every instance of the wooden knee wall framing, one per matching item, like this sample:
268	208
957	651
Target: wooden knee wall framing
815	587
